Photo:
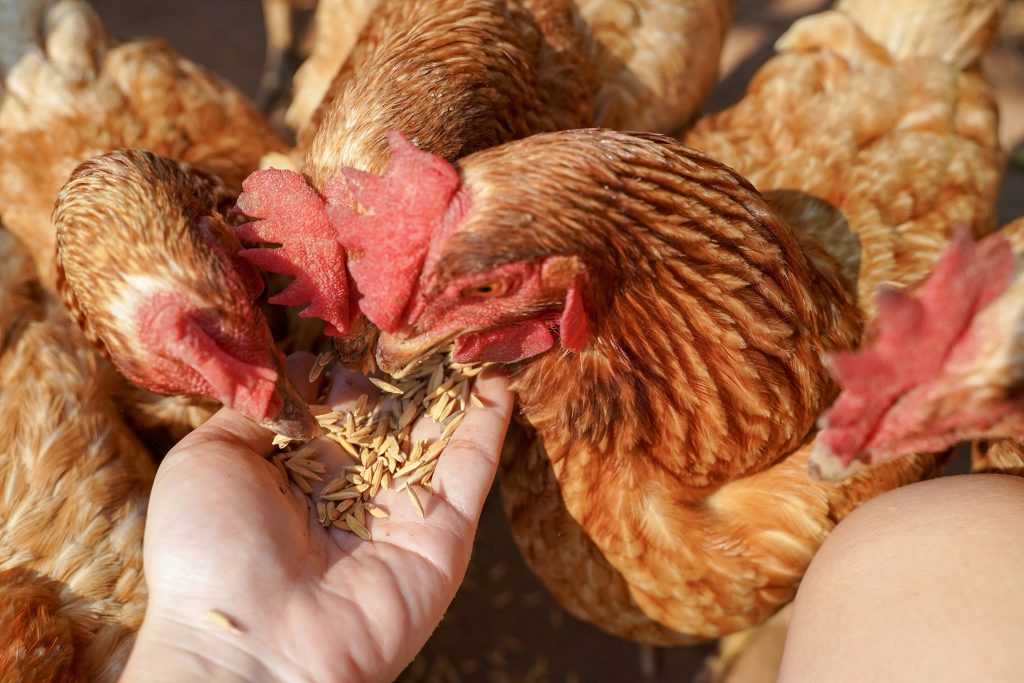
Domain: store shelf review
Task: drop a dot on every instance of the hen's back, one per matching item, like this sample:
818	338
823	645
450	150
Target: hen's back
874	123
73	488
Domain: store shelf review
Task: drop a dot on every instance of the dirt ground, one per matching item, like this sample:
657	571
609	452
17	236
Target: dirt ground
503	627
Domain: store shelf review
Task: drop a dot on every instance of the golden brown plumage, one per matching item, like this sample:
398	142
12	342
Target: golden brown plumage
36	645
1003	457
645	64
676	420
73	97
655	60
454	77
877	112
73	488
696	384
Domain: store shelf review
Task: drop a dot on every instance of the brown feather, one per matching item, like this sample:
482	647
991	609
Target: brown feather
138	95
877	110
74	484
454	77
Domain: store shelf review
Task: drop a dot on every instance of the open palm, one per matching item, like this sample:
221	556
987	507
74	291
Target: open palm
243	577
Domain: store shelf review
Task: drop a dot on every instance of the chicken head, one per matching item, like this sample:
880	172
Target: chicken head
396	228
148	266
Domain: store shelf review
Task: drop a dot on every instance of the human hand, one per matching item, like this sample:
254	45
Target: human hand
225	535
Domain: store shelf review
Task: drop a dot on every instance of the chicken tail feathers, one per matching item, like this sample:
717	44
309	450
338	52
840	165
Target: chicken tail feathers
956	31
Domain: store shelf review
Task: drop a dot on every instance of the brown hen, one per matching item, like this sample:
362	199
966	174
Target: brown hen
664	328
74	98
149	267
892	147
75	483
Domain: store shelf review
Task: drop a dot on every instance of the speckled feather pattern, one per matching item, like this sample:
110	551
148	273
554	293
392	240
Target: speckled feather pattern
505	71
128	230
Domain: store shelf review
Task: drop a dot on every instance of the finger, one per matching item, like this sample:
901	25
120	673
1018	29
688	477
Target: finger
229	428
347	387
299	365
467	466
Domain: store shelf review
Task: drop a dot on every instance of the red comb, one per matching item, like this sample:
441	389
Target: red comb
913	336
294	215
386	223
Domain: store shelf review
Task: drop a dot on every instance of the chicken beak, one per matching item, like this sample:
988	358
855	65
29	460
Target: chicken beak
295	420
398	357
355	349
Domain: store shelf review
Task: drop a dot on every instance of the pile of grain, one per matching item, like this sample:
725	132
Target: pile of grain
378	440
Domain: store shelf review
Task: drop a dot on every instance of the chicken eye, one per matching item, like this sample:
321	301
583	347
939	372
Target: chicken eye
486	290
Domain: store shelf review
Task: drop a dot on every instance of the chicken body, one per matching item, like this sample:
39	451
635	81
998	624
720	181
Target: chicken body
653	62
75	483
665	499
72	98
874	130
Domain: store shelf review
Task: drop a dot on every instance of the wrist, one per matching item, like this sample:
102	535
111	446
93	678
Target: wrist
170	649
